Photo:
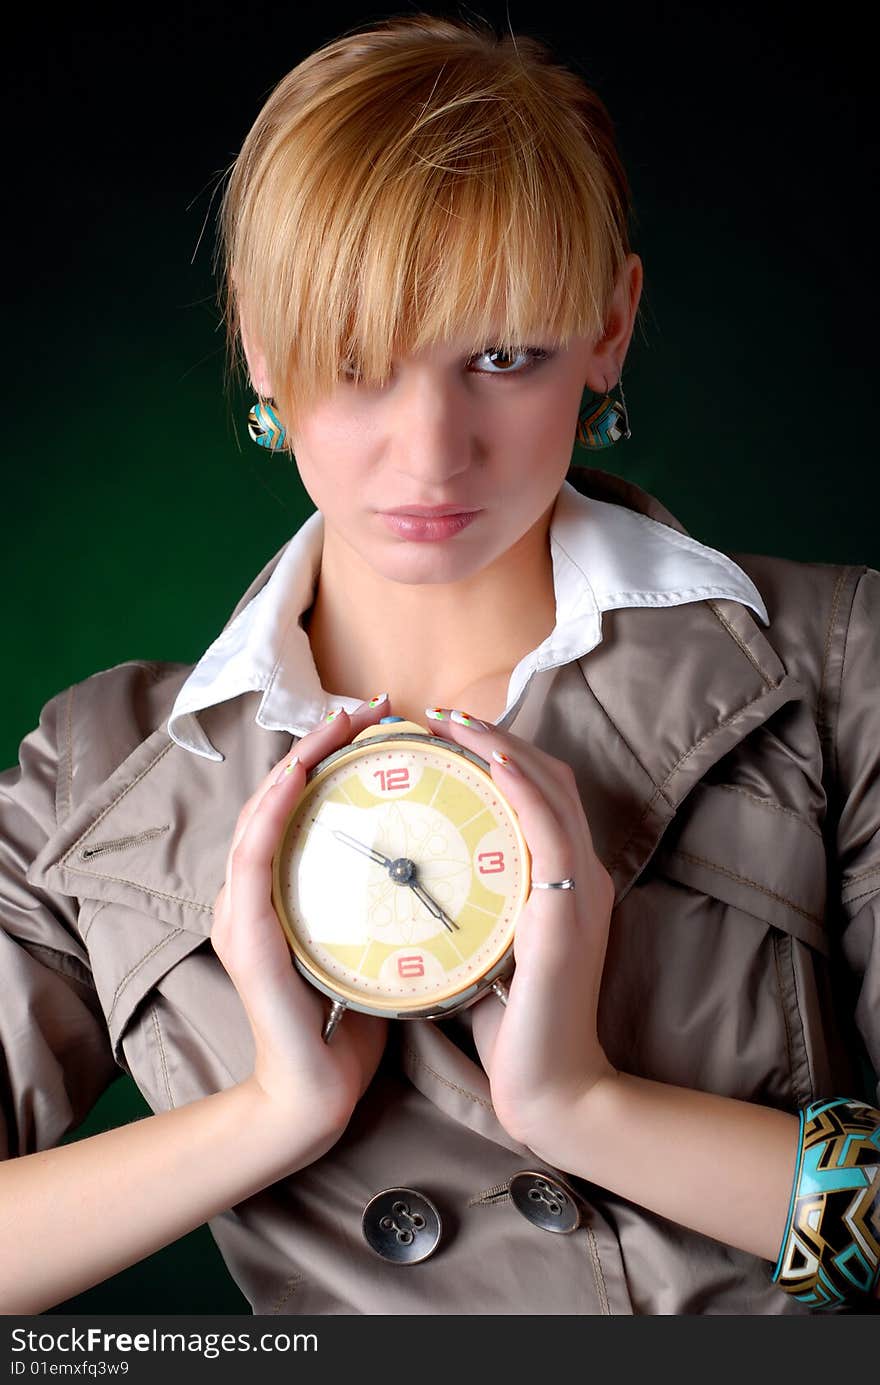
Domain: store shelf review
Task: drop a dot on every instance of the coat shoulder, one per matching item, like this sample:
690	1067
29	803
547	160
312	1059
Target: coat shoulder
809	605
109	713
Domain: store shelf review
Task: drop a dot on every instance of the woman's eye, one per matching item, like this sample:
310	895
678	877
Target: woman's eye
502	362
500	358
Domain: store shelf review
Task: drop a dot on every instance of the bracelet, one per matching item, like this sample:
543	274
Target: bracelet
830	1252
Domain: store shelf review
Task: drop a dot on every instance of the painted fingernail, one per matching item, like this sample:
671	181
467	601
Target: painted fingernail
287	770
504	760
374	701
331	716
437	713
473	722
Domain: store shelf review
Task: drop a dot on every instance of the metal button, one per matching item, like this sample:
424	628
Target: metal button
545	1201
402	1225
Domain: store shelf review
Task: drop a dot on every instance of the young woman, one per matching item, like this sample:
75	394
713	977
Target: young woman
427	264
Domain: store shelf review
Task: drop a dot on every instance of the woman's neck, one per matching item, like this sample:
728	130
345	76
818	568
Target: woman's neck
447	644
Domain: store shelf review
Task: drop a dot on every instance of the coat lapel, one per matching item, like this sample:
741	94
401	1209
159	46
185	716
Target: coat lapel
640	720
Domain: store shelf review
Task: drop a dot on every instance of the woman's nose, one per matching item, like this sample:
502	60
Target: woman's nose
434	434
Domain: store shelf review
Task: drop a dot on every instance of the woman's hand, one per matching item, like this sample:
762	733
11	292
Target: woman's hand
541	1051
295	1070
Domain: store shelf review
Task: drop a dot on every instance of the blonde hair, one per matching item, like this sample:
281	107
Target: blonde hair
415	182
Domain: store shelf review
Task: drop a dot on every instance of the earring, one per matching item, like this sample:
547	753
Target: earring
602	421
264	425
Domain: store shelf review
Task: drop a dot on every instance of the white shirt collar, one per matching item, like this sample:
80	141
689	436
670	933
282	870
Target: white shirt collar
604	556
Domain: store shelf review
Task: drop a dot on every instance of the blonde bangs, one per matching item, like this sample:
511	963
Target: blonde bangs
420	182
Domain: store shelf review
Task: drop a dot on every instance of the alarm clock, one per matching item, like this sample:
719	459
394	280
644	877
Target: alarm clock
399	876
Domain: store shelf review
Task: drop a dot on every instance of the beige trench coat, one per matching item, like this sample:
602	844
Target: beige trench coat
731	778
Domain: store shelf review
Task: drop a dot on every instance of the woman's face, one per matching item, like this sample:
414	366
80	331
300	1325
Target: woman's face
486	433
490	433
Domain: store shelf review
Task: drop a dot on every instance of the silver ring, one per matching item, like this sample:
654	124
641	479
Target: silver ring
567	884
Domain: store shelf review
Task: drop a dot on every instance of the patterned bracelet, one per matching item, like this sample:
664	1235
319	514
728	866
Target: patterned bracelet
830	1253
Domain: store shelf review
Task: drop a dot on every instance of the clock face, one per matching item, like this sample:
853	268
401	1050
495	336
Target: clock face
401	873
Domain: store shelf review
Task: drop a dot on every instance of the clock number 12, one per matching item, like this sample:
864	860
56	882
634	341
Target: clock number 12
392	778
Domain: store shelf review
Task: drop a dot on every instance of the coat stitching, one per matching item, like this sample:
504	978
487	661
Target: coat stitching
163	942
745	880
102	905
842	672
472	1096
274	674
61	962
769	686
810	1093
768	682
290	1288
499	1196
829	633
145	889
784	1011
679	762
713	731
495	1196
853	899
767	803
121	879
860	875
117	843
650	802
597	1272
69	756
162	1055
110	806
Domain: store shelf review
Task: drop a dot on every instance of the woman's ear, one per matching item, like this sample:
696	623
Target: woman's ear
609	352
257	368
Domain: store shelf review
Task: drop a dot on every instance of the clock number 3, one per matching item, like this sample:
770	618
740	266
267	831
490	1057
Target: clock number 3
392	778
494	862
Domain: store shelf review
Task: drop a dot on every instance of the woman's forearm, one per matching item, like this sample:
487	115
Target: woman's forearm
721	1166
72	1216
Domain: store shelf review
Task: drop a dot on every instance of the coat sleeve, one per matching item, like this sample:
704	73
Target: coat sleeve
55	1053
857	777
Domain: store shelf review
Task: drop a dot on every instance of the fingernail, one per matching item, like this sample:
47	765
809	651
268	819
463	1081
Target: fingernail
473	722
504	760
331	716
374	701
288	769
437	713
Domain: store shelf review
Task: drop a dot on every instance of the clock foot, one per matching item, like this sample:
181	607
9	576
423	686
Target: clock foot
337	1010
501	991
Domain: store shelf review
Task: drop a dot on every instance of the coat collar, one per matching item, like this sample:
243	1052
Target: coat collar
641	720
604	556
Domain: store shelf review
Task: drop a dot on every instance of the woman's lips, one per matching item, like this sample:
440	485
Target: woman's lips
425	529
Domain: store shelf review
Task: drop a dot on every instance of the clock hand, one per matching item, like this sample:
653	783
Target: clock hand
431	905
361	846
381	860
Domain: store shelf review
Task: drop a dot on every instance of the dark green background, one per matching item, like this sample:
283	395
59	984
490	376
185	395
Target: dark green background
137	510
